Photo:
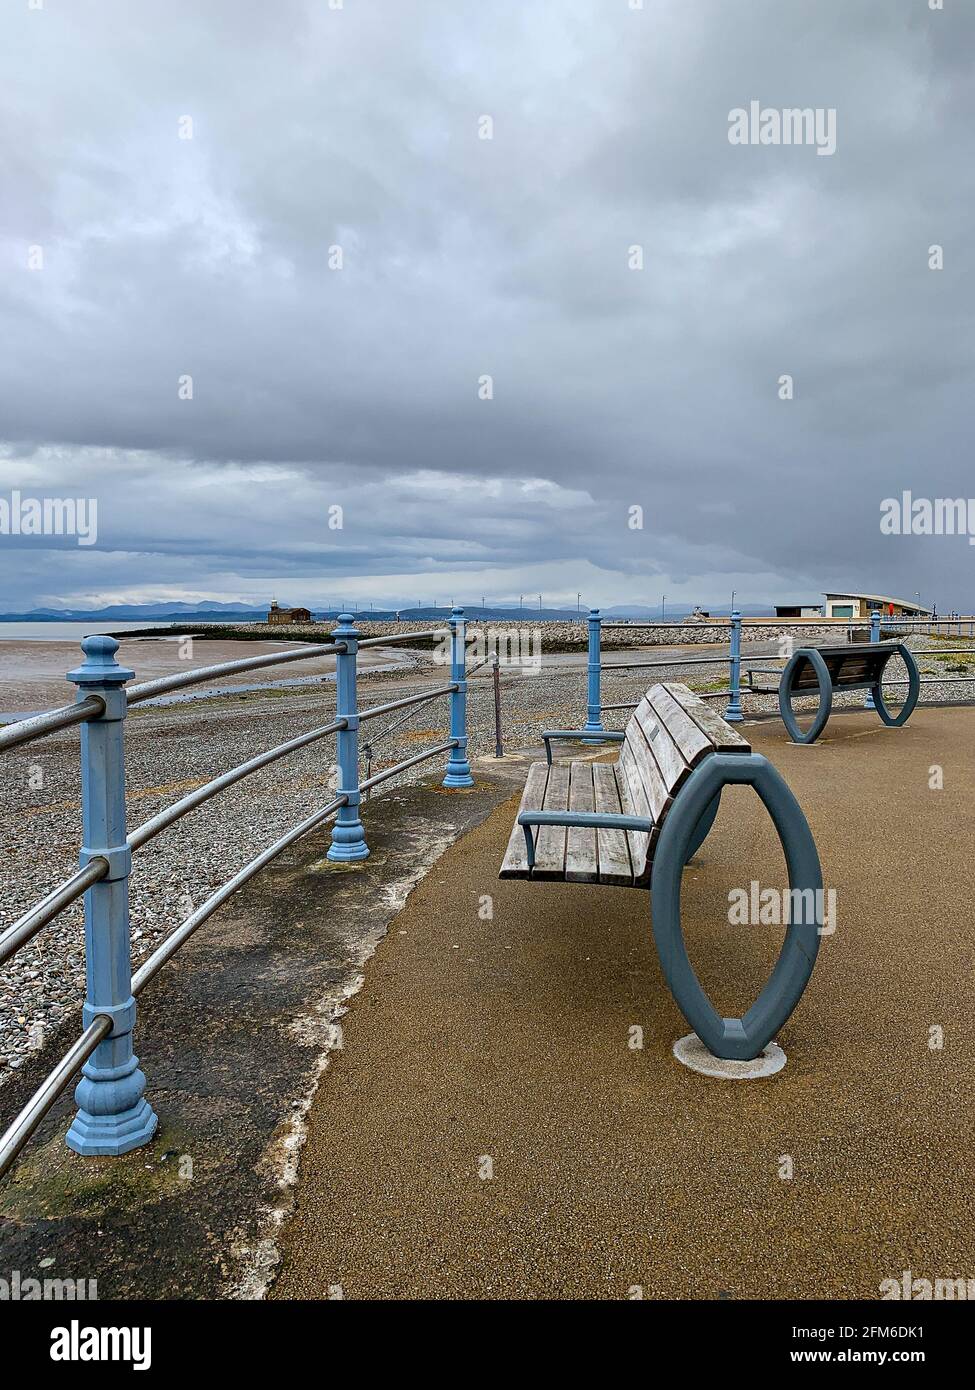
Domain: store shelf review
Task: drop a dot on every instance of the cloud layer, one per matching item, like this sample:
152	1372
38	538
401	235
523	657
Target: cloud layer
314	387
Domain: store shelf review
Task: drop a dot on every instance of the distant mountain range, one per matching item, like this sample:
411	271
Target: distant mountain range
141	612
214	612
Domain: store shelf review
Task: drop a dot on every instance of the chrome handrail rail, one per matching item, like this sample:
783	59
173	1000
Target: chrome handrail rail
150	828
20	1130
27	927
165	952
407	762
147	690
105	700
23	730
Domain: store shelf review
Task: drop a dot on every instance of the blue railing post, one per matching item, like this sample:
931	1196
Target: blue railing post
594	722
874	637
348	836
733	713
113	1115
458	768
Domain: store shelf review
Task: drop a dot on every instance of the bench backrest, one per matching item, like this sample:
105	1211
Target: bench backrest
849	667
671	731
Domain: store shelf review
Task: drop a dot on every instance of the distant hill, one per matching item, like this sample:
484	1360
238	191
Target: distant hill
229	613
141	612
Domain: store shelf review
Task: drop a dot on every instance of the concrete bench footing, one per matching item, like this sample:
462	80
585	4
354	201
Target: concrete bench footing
692	1053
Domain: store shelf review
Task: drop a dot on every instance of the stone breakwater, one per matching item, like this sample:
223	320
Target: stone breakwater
574	636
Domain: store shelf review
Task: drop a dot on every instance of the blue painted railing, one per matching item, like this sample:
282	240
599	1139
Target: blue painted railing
733	711
732	658
113	1115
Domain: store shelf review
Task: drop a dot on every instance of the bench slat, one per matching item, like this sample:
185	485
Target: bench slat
662	747
692	743
634	802
581	864
722	735
635	759
515	864
612	847
550	845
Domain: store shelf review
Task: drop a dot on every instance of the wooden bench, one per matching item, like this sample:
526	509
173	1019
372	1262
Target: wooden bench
854	667
636	823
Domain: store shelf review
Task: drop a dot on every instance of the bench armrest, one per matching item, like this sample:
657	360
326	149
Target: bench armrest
587	819
612	736
762	671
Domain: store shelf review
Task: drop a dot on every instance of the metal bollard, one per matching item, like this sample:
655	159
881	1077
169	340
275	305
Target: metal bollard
594	722
348	835
496	677
874	637
113	1115
733	712
458	772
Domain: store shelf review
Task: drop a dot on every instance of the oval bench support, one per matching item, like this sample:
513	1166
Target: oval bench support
738	1039
894	721
703	827
811	655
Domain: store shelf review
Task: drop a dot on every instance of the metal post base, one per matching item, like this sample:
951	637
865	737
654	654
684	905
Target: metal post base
458	774
348	842
100	1127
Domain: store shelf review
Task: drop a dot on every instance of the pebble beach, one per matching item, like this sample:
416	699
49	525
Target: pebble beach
172	749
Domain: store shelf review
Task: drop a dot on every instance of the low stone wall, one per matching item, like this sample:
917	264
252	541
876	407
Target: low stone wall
572	636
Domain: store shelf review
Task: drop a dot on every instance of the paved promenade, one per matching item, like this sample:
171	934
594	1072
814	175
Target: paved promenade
501	1046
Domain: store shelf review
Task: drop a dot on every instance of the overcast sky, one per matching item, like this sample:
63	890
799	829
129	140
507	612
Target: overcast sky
360	127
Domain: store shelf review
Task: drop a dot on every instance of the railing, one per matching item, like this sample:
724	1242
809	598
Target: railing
732	659
113	1114
877	622
733	712
928	626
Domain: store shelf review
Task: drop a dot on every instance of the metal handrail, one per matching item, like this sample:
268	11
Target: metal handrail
148	689
718	622
403	637
103	802
39	724
171	945
17	1134
27	927
721	660
407	762
407	700
150	968
150	828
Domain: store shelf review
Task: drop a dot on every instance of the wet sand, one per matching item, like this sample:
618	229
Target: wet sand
32	674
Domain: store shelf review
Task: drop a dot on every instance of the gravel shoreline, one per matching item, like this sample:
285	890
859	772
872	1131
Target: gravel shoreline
171	750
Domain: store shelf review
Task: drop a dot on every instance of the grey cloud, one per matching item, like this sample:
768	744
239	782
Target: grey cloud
463	257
